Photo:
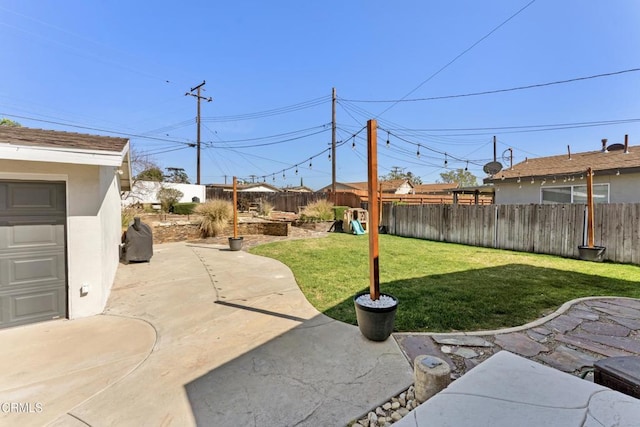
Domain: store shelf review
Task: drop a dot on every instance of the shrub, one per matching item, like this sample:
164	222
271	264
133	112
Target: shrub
168	197
321	210
184	208
214	216
128	213
265	209
339	211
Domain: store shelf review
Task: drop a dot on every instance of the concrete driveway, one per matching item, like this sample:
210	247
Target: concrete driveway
200	335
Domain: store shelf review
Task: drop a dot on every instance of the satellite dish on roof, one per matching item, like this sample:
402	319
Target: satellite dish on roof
615	147
492	168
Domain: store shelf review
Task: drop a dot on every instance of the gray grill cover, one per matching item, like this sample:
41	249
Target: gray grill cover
138	243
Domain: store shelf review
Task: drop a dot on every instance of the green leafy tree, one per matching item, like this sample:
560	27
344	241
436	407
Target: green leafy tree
177	175
168	197
7	122
152	173
462	177
399	173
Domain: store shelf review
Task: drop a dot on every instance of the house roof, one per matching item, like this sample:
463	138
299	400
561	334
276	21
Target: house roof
246	187
40	145
364	186
562	165
434	188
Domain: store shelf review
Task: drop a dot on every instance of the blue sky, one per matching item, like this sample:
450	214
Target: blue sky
122	68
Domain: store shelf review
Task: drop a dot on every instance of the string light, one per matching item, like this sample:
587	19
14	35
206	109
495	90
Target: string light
554	180
543	181
466	168
418	152
353	144
296	169
329	156
532	180
445	160
581	176
617	173
388	143
519	180
283	177
310	165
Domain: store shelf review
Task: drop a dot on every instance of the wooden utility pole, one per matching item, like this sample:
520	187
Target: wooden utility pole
333	146
198	97
372	179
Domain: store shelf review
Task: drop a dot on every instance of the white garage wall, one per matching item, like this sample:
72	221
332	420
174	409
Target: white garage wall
93	226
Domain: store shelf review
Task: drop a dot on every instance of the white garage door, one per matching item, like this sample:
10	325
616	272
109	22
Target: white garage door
32	252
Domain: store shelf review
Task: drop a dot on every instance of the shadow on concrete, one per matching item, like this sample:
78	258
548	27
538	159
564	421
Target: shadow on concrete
319	373
487	298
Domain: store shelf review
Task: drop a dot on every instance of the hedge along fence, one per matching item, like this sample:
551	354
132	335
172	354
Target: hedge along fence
556	229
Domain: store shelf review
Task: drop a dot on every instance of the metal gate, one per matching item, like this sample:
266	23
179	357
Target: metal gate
33	284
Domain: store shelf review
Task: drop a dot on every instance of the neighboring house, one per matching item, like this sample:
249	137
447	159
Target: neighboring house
146	192
438	188
60	226
258	187
562	178
298	189
397	186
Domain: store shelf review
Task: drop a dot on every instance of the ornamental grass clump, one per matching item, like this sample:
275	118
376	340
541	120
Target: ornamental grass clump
321	210
214	216
265	209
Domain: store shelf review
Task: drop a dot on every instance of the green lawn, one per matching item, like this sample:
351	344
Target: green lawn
444	286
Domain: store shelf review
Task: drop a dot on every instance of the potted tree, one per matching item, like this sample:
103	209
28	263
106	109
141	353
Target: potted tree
590	252
375	312
235	242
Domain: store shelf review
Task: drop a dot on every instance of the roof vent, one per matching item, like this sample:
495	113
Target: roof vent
604	145
615	147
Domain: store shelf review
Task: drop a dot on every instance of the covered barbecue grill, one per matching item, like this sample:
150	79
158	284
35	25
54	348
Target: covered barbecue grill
138	242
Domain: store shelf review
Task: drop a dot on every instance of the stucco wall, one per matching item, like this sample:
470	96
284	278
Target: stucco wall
622	189
146	192
93	205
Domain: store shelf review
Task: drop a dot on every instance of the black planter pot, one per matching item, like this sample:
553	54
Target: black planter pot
595	253
235	243
375	323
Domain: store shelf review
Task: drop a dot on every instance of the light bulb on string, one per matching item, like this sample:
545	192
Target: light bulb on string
388	143
418	152
283	176
310	165
519	180
296	169
274	177
264	179
446	162
329	156
353	145
466	168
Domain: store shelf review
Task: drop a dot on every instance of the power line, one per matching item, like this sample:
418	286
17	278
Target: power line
459	55
272	112
489	92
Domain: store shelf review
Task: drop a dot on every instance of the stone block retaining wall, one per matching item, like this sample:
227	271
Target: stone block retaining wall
165	232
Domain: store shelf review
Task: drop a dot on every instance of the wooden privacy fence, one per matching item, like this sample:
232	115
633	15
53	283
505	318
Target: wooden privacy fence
286	201
556	229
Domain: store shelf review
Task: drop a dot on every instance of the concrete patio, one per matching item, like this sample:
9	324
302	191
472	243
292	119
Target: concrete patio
200	335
